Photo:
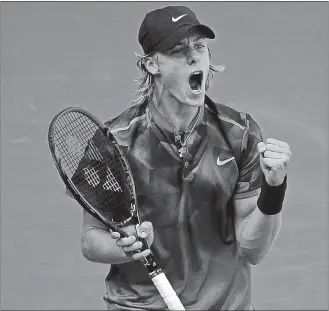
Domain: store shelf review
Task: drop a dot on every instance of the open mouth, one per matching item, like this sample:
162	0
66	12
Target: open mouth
195	81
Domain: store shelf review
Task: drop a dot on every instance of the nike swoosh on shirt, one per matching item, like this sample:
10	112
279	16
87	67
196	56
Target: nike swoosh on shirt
177	18
220	163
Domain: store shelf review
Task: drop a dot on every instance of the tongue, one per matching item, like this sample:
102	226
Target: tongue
194	84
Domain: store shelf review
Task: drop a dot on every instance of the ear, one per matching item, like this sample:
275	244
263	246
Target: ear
151	65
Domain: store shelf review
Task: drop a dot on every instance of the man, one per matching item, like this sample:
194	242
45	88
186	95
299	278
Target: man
210	192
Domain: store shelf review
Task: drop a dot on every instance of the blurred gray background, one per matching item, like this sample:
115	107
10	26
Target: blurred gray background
60	54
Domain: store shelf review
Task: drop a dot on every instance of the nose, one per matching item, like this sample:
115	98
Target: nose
192	56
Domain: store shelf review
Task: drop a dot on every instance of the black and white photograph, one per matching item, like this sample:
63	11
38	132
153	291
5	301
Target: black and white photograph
164	155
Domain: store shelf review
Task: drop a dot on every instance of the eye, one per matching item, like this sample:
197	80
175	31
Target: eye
199	46
177	50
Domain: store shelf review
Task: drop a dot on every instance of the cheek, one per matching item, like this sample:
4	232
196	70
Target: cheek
206	64
174	79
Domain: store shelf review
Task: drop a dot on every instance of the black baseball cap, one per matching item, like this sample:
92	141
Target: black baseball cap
162	29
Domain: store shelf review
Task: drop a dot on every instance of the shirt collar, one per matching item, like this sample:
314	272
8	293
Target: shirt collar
159	121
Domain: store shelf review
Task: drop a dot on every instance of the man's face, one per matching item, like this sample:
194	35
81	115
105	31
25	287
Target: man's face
183	70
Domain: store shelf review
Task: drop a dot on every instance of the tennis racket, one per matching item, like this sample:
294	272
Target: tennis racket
97	173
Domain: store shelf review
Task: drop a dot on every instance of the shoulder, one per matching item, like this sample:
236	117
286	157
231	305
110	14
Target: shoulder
128	119
129	125
231	120
240	130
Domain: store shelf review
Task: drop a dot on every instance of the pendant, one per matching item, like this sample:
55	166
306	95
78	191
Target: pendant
177	138
182	151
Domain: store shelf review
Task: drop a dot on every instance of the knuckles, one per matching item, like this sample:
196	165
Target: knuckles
131	246
146	226
286	159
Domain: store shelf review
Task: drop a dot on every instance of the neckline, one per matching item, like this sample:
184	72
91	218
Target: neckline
196	146
166	127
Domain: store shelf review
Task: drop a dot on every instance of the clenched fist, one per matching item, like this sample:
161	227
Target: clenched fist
274	158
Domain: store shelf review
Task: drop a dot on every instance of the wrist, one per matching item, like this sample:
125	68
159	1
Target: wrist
271	198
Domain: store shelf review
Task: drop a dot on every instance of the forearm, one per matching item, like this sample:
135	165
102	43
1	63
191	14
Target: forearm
97	245
258	234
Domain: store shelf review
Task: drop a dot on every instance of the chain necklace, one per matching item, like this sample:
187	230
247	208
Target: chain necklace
183	150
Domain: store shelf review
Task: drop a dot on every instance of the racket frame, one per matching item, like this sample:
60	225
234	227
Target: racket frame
67	180
156	274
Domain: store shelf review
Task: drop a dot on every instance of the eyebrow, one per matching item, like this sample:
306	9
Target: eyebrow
181	43
197	38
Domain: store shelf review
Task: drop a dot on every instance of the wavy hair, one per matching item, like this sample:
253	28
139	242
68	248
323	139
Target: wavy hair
146	85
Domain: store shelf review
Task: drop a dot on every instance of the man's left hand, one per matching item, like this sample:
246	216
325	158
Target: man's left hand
274	158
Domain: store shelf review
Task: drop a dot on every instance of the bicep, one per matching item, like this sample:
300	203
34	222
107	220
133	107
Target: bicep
242	210
90	222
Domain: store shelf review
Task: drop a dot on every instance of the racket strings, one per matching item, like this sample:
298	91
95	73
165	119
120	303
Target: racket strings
91	174
73	131
97	171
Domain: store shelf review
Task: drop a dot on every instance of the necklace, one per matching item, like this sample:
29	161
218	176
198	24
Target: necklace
183	150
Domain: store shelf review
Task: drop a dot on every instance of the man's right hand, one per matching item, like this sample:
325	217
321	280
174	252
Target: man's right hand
130	245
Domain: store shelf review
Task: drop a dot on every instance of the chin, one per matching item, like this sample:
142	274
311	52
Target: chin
196	100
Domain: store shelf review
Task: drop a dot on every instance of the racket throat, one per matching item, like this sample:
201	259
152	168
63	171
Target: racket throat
151	266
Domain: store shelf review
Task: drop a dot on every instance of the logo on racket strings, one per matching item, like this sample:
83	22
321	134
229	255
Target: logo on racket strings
93	179
110	182
91	176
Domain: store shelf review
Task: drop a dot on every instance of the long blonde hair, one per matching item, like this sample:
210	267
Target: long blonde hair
146	85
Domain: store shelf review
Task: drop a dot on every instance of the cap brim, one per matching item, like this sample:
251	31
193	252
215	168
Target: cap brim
178	34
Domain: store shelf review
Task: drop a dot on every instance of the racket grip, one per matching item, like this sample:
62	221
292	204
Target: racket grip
167	292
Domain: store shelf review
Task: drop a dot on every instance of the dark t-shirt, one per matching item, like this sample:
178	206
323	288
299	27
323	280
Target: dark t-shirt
189	202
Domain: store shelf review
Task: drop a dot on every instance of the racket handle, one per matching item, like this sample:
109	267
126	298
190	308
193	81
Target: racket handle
167	292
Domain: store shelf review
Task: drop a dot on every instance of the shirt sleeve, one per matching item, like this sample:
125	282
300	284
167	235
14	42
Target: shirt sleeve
250	178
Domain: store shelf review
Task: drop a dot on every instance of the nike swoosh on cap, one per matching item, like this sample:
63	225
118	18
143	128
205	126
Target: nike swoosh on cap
177	18
220	163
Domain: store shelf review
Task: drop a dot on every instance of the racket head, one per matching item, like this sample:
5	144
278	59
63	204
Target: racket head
93	167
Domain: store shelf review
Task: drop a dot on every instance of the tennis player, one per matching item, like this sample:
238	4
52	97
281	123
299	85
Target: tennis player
210	190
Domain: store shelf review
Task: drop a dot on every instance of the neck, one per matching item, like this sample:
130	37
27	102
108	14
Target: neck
180	115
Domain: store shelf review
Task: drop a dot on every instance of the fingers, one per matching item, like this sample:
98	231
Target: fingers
261	147
145	229
275	164
141	255
131	245
277	155
276	142
278	149
273	148
115	235
271	154
274	158
126	241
